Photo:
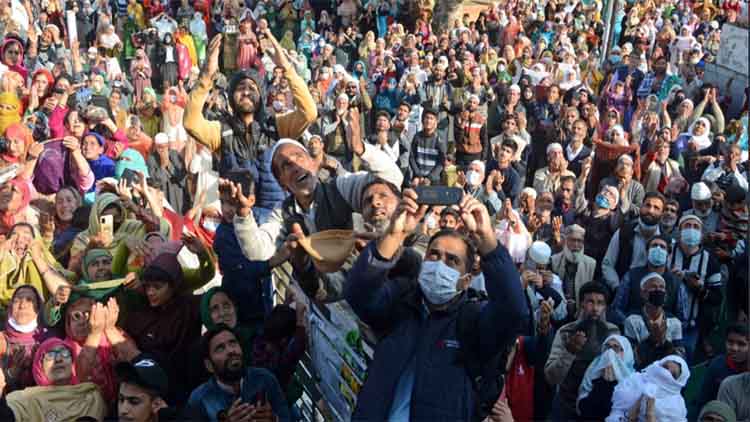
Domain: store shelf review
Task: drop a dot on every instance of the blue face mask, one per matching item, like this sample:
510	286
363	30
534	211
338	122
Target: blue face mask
614	59
690	237
438	282
602	201
657	256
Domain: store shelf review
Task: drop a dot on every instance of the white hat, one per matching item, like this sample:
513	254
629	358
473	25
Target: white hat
627	47
687	217
651	276
284	141
529	191
540	252
714	25
161	139
554	147
338	69
515	88
700	192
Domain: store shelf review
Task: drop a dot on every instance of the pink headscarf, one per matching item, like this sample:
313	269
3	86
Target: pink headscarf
37	368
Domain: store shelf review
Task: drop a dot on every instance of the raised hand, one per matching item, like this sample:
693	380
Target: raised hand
193	244
212	61
113	312
357	144
407	215
477	222
98	318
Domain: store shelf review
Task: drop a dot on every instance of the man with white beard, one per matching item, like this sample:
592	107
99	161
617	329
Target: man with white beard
572	266
336	132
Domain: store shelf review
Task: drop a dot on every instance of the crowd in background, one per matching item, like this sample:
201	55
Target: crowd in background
159	159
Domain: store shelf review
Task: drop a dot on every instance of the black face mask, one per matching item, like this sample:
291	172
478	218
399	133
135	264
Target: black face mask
657	298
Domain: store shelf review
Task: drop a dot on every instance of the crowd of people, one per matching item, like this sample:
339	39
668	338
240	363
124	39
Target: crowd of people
159	159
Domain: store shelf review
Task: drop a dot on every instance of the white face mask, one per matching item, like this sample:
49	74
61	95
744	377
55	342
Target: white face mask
501	68
473	178
210	224
438	282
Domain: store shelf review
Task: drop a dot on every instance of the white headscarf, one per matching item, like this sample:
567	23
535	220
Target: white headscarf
623	366
703	141
653	382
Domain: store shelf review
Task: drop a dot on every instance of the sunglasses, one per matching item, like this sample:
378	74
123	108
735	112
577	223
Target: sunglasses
55	353
77	316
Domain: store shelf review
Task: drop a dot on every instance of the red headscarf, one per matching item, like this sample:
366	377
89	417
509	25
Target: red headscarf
9	218
50	81
37	368
16	67
17	131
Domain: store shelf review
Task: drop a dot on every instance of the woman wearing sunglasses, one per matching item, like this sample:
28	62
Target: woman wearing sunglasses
58	391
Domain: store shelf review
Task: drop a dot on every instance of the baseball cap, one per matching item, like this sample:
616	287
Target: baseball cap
145	372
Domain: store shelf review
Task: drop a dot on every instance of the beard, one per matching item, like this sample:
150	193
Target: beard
229	374
248	108
380	225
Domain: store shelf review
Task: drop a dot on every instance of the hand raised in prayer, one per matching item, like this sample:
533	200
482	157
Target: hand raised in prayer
240	412
609	374
113	312
98	318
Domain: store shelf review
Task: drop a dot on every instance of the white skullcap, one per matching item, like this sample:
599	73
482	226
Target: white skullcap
651	276
284	141
515	88
575	229
338	69
554	146
627	47
540	252
480	163
714	25
161	139
529	191
623	158
700	192
687	217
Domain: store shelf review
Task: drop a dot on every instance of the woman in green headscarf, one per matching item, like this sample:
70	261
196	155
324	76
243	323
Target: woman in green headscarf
108	204
218	308
288	41
24	259
130	159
